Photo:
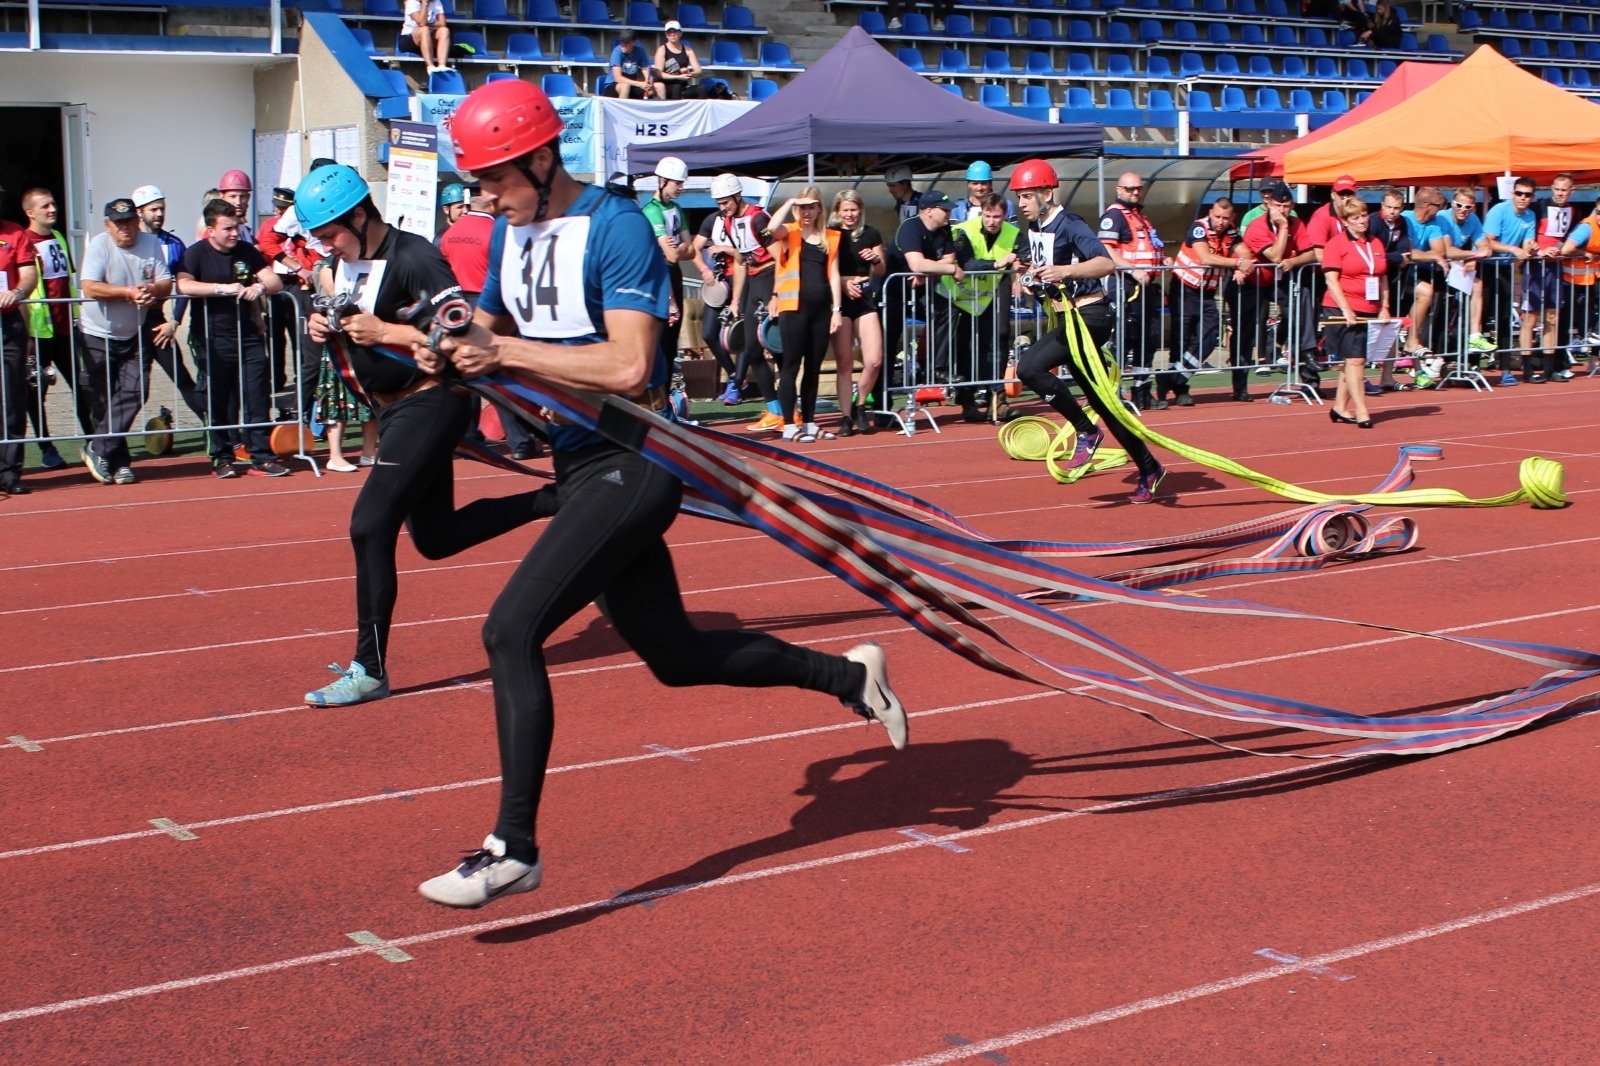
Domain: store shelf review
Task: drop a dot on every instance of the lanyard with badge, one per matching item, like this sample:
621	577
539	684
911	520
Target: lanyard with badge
1364	250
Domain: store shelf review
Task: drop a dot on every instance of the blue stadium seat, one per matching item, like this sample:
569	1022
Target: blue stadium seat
1151	31
490	11
602	83
911	57
576	48
1267	99
1553	23
1408	43
999	27
558	85
1119	65
1334	102
1157	68
1276	9
1036	96
1315	37
1510	48
1119	33
1232	98
1566	50
738	17
471	39
952	88
1580	24
593	13
1041	30
1185	32
1363	97
1120	109
542	11
1202	115
1525	21
762	89
1260	67
1071	5
1079	30
1578	78
1285	37
872	22
1079	97
724	90
381	8
1079	65
524	46
1182	5
1294	67
1469	20
1344	39
1324	68
1160	112
1191	65
396	81
1385	68
1245	7
997	61
1300	101
1553	76
500	75
1591	51
954	61
1215	7
1218	33
1250	34
1498	20
1356	70
1228	65
993	95
640	13
958	26
1039	65
776	54
447	83
1538	49
916	25
728	54
364	39
692	16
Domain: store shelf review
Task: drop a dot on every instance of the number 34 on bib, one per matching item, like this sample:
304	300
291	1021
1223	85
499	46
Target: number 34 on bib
546	259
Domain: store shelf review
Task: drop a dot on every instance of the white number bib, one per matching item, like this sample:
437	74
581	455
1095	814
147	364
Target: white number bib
361	281
672	220
541	279
1557	221
52	259
1040	247
1373	293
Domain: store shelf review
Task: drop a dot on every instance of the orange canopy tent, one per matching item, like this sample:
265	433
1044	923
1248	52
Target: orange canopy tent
1485	117
1408	79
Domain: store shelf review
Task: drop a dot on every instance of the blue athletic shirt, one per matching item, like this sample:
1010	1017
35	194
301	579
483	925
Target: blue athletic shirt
1465	236
559	293
1422	234
1508	226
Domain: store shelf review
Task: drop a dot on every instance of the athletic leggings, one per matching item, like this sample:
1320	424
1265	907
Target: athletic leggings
805	342
1036	370
605	546
753	366
413	483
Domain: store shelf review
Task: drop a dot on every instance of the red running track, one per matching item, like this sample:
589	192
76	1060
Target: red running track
1038	878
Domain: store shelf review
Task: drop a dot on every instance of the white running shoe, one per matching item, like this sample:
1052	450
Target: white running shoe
878	700
355	685
484	876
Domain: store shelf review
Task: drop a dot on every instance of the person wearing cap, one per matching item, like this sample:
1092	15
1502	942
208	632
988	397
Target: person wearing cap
124	273
676	65
980	184
227	280
735	237
928	248
1135	247
235	188
425	31
807	303
50	325
1279	246
1325	222
161	319
986	249
898	181
672	237
607	543
631	74
19	273
1067	266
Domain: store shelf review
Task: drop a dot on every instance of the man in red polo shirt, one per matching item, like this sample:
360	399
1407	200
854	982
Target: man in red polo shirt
1278	243
19	273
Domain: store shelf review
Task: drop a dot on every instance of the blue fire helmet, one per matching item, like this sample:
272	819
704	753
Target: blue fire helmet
327	194
980	171
454	193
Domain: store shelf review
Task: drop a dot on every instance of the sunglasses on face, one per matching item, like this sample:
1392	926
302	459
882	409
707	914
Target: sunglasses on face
1131	188
1519	192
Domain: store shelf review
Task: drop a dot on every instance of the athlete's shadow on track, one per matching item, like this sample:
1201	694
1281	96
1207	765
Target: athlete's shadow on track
957	785
1173	486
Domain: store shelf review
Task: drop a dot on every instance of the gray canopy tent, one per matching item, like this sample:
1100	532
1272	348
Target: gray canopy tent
858	108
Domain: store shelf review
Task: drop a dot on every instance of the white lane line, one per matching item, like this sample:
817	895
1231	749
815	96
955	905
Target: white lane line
173	829
1212	988
427	790
385	950
612	902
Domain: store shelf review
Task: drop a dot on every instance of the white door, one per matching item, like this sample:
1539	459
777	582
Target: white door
78	197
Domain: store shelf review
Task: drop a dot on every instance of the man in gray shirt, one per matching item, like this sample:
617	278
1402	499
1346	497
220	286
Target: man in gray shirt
124	273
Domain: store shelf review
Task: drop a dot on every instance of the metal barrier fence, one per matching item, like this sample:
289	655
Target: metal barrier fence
227	364
1174	323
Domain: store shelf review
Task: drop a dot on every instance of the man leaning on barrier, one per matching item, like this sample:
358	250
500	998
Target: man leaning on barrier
1211	253
161	319
1509	226
18	276
1279	242
986	247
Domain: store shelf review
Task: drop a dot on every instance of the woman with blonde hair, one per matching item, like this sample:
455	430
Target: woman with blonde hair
1355	265
861	271
806	304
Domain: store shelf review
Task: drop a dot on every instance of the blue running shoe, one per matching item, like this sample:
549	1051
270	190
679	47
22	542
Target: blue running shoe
731	395
1083	453
354	686
1145	492
1506	381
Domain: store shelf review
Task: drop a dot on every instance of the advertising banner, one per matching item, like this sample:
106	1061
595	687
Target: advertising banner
413	177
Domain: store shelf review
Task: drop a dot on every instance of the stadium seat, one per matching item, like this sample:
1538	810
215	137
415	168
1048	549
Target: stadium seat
728	54
447	83
1071	5
396	80
1038	65
994	96
1157	68
576	48
1120	109
542	11
1079	30
1334	102
1250	34
1079	97
1182	5
1245	7
1469	20
1538	49
558	85
997	61
500	75
776	54
1233	98
490	11
762	89
1119	65
1578	78
1191	65
1580	24
999	27
738	17
692	16
1498	20
387	9
1525	21
1276	9
593	13
524	46
723	89
1260	67
1185	32
1202	115
1285	37
915	24
953	88
1510	48
1553	76
872	22
1344	39
1566	50
1324	68
1041	30
1315	37
1591	51
1300	101
1079	65
1119	33
1408	43
911	57
1267	99
1215	7
640	13
1294	67
1356	70
1151	31
1218	33
602	83
954	61
1363	97
473	41
1553	23
1228	65
1160	111
958	26
364	39
1385	68
1036	96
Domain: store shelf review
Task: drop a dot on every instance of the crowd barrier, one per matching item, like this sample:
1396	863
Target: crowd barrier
219	379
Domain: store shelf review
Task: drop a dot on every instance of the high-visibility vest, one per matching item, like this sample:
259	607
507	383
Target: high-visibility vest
786	287
1142	250
1190	270
40	319
1582	271
974	294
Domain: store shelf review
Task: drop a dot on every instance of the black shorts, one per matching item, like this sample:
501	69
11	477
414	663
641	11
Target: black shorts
1343	342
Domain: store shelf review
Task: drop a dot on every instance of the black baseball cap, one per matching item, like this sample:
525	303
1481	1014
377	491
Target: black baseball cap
934	198
1279	191
120	210
283	197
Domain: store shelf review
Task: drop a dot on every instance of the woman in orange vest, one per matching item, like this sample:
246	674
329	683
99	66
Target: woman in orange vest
806	304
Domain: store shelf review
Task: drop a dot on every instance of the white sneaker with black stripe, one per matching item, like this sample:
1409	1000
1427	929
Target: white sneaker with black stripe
878	701
483	877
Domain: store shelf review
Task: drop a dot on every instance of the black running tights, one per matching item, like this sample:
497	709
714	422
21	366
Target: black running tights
605	546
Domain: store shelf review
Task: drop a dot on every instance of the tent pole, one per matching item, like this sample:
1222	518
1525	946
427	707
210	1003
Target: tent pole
1100	181
811	168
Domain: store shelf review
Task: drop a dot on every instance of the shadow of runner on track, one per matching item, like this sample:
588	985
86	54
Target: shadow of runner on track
958	785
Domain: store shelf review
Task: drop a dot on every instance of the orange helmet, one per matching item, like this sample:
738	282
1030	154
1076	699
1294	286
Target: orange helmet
501	121
234	181
1034	174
